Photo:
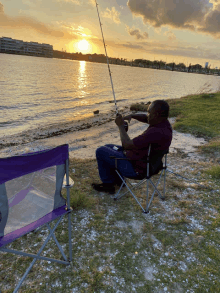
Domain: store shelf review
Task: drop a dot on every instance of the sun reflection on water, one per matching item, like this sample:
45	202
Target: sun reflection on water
82	79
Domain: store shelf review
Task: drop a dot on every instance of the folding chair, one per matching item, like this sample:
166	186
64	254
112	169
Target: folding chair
30	196
155	164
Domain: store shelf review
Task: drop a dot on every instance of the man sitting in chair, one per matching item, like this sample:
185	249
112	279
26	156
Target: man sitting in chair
158	135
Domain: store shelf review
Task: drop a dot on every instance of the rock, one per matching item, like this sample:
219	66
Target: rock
96	112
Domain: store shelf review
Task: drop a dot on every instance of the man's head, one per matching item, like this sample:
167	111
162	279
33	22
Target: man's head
158	111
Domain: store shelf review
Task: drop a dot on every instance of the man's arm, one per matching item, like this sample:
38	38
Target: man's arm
140	117
127	143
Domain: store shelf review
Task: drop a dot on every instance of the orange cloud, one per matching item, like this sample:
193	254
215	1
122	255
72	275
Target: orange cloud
33	24
1	8
171	36
77	2
112	14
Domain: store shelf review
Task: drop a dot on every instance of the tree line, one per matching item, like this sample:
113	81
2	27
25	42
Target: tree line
156	64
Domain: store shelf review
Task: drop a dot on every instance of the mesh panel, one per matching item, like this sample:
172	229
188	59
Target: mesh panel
30	197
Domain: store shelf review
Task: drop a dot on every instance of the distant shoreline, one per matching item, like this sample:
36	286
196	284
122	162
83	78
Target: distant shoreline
101	58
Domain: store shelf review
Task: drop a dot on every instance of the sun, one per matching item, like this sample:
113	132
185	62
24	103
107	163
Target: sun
83	45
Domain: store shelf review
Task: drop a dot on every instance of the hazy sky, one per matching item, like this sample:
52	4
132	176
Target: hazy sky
171	30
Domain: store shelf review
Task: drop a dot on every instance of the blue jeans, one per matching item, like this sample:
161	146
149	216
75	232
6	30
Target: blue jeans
106	165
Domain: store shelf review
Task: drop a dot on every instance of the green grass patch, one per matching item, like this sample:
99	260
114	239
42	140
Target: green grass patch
197	114
212	147
214	172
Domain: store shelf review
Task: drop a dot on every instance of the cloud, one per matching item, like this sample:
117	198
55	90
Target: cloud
32	3
79	30
212	22
24	22
175	13
186	51
196	15
133	46
77	2
1	8
92	2
137	33
112	14
171	36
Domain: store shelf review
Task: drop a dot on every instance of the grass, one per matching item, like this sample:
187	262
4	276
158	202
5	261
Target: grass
214	172
197	114
212	147
117	248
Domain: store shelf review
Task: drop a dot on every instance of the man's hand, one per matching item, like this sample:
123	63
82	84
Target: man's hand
119	120
128	117
127	143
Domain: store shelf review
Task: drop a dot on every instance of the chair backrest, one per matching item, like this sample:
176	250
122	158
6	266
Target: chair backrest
155	160
30	187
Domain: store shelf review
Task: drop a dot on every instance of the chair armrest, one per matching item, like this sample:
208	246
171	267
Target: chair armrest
113	157
127	159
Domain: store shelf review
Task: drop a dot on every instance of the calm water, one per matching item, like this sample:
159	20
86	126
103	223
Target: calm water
39	92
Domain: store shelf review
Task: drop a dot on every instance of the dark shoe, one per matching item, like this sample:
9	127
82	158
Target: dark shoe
104	187
118	182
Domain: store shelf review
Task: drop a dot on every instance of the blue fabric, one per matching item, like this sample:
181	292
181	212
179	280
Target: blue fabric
13	167
106	165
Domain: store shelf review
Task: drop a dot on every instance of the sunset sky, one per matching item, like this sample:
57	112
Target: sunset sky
170	30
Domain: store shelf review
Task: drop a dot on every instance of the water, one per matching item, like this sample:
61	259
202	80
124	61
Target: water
40	94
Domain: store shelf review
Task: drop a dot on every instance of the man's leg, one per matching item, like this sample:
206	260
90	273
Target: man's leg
106	165
114	146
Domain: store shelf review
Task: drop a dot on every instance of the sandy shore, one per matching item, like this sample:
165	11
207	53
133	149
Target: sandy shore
85	138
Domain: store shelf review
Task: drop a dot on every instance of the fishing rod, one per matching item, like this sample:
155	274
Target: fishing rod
110	75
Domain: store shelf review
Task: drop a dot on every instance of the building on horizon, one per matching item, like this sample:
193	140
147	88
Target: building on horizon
13	46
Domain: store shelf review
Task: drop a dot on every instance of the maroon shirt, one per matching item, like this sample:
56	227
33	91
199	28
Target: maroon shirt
159	136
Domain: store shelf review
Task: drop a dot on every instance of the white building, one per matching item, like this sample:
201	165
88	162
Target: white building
9	45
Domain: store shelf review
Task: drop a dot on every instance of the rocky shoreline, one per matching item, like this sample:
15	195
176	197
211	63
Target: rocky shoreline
58	129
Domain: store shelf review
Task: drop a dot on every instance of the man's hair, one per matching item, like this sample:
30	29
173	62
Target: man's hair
161	107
